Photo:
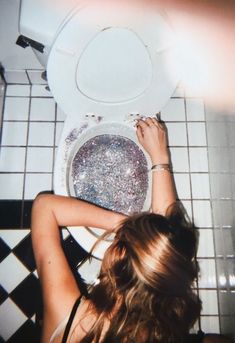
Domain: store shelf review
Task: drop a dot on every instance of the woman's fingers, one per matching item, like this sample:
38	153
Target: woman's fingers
142	123
139	134
152	135
158	123
149	123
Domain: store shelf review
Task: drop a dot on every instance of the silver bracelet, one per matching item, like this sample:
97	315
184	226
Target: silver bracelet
161	167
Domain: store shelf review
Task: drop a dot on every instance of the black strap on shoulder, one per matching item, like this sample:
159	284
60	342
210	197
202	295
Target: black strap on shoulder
70	321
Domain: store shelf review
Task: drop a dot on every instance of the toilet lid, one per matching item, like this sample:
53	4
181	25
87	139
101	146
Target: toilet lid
114	56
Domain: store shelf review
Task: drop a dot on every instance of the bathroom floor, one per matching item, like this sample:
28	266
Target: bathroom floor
32	124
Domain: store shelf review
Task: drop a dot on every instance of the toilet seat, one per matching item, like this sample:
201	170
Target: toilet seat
147	33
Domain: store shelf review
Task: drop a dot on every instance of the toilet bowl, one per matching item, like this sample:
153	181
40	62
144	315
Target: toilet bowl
122	174
108	63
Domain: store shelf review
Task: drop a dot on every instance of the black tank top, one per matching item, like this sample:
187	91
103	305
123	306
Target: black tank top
70	320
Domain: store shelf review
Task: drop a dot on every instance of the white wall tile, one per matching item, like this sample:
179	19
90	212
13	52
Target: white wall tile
177	134
41	134
59	128
12	159
18	90
202	213
16	109
60	114
197	134
217	134
174	110
207	278
224	212
179	92
220	159
14	133
200	186
224	242
42	109
230	132
11	186
11	319
223	278
40	90
210	324
12	272
39	160
188	207
182	183
198	159
209	302
36	183
206	243
35	77
195	110
179	159
16	76
222	186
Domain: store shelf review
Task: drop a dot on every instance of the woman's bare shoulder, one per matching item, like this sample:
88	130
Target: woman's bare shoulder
82	321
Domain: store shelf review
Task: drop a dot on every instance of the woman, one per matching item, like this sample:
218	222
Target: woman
144	292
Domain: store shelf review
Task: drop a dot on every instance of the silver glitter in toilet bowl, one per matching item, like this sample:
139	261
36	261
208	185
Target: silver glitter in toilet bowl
111	171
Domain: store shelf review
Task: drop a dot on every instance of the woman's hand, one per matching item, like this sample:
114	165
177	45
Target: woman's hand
152	135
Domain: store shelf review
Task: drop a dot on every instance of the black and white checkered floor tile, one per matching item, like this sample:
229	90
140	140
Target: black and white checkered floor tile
20	294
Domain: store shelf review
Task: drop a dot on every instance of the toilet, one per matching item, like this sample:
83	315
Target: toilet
108	63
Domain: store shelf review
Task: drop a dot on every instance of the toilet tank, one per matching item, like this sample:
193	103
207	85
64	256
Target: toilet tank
42	20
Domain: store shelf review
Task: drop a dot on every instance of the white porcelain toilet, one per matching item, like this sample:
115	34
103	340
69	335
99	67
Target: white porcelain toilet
108	63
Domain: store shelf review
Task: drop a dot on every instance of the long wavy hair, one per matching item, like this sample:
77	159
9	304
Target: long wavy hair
146	282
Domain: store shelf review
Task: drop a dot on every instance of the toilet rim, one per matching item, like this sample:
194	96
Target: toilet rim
68	48
85	236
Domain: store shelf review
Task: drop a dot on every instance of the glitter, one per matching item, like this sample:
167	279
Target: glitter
111	171
75	133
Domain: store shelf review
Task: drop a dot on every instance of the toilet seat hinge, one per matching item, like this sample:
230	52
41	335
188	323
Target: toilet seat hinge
94	117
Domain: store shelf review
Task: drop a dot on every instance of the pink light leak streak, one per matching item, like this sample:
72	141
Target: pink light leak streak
205	45
206	51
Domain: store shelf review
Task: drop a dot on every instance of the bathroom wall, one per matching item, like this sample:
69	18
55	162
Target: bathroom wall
32	125
221	151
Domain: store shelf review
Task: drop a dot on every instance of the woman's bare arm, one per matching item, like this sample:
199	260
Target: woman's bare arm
152	135
58	284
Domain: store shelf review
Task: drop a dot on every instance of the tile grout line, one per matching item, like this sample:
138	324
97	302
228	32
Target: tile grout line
25	163
213	232
190	183
3	108
54	148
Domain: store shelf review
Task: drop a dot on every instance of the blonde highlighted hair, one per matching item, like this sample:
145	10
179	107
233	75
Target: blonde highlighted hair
146	281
